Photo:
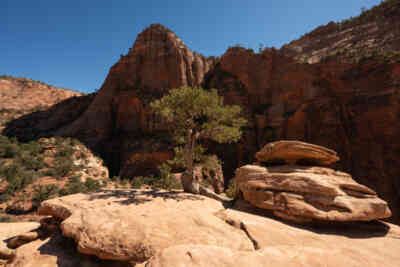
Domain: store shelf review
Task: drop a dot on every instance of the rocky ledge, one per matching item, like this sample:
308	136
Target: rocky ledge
159	228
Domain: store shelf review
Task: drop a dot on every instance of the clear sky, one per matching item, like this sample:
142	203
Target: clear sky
73	43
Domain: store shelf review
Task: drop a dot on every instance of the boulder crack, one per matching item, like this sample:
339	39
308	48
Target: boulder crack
253	241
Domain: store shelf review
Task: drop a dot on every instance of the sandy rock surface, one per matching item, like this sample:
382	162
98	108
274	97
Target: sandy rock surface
56	251
155	229
132	225
9	230
302	194
292	152
280	244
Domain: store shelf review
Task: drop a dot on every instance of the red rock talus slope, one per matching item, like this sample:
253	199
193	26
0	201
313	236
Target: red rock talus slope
374	33
19	96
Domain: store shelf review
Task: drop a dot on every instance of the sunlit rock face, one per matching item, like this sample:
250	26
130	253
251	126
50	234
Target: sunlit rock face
119	117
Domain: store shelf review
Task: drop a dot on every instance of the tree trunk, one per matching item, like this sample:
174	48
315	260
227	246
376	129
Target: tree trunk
189	183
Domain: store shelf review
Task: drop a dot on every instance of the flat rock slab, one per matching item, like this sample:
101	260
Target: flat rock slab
303	194
280	244
133	225
296	152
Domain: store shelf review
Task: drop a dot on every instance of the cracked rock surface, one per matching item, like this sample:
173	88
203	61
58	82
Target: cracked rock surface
159	228
303	194
133	225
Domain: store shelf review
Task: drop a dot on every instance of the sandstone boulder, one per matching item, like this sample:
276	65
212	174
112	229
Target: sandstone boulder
292	152
304	194
133	225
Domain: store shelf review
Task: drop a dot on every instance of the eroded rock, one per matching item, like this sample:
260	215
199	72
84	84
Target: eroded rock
292	152
134	225
280	244
9	230
304	194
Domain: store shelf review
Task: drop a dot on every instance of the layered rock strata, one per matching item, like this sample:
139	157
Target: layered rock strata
305	194
291	152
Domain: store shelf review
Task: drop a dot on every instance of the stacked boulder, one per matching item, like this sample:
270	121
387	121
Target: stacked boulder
295	185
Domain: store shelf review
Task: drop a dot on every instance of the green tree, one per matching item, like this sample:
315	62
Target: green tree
195	114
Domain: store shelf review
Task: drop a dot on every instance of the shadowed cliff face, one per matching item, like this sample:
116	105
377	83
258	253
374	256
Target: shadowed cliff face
118	122
352	108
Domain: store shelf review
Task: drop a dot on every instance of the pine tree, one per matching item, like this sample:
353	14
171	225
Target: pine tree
195	114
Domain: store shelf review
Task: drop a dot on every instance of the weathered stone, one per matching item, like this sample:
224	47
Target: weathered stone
296	152
133	225
155	229
9	230
24	238
56	251
279	244
304	194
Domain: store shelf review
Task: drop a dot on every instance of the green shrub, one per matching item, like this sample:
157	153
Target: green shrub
231	191
63	166
31	162
139	181
64	151
92	185
4	197
5	219
8	150
42	193
75	186
164	181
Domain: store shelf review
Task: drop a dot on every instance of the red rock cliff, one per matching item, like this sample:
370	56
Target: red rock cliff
118	120
351	108
373	34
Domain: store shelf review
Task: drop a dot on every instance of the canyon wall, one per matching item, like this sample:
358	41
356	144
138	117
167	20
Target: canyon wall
346	105
373	34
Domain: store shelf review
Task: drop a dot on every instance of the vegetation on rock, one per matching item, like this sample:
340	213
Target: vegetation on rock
35	171
195	114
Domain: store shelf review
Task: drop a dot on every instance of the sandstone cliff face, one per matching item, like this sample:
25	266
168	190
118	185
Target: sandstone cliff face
119	117
351	108
374	33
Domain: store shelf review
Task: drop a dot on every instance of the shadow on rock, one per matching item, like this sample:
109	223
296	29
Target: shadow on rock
67	255
44	123
140	196
356	229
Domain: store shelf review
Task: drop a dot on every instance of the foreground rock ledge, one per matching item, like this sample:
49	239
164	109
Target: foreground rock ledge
132	225
304	194
296	152
149	228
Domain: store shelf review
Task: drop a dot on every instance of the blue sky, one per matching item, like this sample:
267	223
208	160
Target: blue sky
72	44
